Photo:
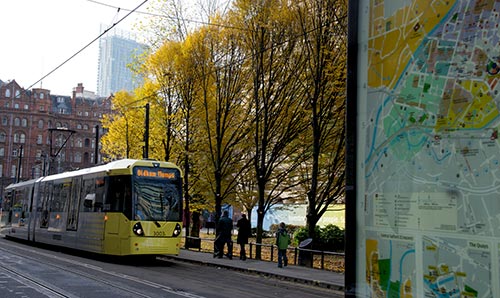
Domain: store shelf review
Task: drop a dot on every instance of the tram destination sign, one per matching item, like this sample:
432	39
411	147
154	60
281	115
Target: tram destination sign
156	173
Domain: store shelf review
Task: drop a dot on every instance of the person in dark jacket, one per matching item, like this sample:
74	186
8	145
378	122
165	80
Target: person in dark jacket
224	231
244	231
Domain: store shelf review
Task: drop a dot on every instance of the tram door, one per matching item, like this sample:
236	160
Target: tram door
33	211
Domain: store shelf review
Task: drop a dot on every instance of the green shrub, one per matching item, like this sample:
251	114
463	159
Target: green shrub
329	238
332	238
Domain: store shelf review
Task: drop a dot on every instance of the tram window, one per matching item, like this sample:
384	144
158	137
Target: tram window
88	195
99	194
60	196
72	222
45	198
7	204
21	199
119	197
41	194
63	197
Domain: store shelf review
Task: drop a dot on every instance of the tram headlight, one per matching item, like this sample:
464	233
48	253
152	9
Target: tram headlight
177	231
138	229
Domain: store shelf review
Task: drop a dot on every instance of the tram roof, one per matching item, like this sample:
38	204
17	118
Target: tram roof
111	166
24	183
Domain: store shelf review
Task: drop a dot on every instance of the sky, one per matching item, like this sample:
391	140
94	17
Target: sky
39	35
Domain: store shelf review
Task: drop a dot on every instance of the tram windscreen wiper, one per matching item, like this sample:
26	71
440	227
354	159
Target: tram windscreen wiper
161	205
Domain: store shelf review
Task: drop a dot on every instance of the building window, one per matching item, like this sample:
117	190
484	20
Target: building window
17	121
16	138
79	126
60	99
38	153
40	123
26	107
7	93
59	140
86	114
85	126
16	106
14	152
41	95
2	151
7	105
24	122
2	136
42	108
18	94
87	143
37	172
39	139
22	138
78	157
13	171
61	111
5	121
79	143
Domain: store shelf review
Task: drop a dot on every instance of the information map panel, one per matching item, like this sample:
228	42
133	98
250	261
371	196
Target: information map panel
428	153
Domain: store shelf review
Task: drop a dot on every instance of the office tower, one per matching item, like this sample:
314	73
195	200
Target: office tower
117	50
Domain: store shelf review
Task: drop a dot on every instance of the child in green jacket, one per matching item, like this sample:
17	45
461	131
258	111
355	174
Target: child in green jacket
282	241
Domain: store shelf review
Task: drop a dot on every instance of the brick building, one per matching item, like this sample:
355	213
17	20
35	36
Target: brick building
43	133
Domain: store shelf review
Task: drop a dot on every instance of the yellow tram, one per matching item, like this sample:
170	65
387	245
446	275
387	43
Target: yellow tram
126	207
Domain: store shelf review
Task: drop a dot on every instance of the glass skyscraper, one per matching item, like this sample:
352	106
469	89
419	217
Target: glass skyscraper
116	53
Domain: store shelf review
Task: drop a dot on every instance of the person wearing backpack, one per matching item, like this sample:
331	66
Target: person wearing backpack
282	241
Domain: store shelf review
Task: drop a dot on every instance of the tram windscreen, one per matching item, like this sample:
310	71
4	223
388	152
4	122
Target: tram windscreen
157	194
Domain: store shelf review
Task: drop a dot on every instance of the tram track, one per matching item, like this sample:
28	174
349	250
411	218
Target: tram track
124	283
38	285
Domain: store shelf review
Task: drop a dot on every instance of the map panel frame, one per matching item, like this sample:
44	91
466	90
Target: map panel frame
423	154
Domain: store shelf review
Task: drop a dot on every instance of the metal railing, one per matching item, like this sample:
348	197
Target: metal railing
318	259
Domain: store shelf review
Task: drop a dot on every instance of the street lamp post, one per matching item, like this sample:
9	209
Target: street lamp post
145	151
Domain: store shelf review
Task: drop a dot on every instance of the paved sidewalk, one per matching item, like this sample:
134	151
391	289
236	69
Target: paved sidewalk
294	273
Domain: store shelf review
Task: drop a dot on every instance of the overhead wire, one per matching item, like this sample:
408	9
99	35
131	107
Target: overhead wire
246	58
135	10
170	17
87	45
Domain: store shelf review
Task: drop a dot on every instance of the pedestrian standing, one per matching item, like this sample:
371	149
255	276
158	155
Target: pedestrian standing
224	230
282	241
244	231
